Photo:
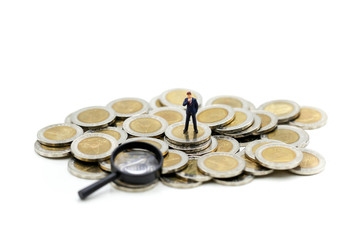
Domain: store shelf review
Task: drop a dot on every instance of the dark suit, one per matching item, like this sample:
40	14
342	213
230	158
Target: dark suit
191	110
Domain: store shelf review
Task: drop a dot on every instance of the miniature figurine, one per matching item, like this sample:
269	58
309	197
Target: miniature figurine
191	110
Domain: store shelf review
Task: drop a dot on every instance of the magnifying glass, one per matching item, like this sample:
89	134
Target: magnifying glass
135	162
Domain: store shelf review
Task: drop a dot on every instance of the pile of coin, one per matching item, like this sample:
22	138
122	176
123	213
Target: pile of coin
235	141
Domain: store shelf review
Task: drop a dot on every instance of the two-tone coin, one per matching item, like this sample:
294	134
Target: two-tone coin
127	107
226	144
145	125
175	133
192	172
289	134
285	110
243	119
93	117
253	167
215	116
51	152
118	185
249	131
119	134
160	144
58	135
212	148
85	170
269	121
251	148
311	163
173	180
232	101
310	118
174	161
170	114
175	97
239	180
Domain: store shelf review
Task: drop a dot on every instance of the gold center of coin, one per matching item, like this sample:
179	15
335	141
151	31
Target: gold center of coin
178	132
252	164
308	115
279	154
309	161
127	106
94	145
112	133
158	103
233	102
145	125
284	135
221	163
54	148
171	159
91	168
212	115
224	145
279	108
59	133
177	96
265	119
93	115
240	117
170	116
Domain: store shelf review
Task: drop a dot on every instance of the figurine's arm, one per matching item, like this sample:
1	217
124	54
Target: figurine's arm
185	101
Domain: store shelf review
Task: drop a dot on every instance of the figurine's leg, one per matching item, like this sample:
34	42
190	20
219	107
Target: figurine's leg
194	122
187	119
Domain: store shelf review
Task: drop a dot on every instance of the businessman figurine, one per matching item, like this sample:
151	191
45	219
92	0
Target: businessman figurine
191	110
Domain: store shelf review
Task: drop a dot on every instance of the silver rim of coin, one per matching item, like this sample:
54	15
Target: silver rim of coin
165	102
262	171
310	171
84	174
221	174
196	177
164	146
180	165
188	148
310	126
68	118
127	122
105	165
248	149
153	101
175	109
213	146
203	138
282	165
144	109
239	180
51	153
104	123
123	134
178	182
271	126
303	140
229	117
251	106
245	103
249	131
43	140
134	188
92	158
284	118
234	142
240	127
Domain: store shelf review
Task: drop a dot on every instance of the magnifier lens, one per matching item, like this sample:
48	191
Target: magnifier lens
136	161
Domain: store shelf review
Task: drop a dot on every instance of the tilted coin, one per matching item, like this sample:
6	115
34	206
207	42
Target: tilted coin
243	119
249	131
175	97
85	170
51	152
251	148
232	101
160	144
133	188
105	165
221	165
119	134
189	148
244	141
268	121
127	107
212	148
145	125
215	116
310	118
192	172
239	180
58	135
93	117
173	180
278	156
253	167
285	110
93	147
227	144
174	161
155	103
311	163
289	134
175	133
170	114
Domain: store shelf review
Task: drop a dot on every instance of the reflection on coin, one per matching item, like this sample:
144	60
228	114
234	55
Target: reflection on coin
268	121
93	147
133	188
175	97
289	134
212	148
311	163
253	167
119	134
221	165
232	101
243	119
173	180
174	161
285	110
239	180
310	118
51	152
170	114
93	117
192	172
227	144
155	103
145	125
278	156
127	107
161	145
85	170
105	165
215	116
251	148
249	131
175	133
59	134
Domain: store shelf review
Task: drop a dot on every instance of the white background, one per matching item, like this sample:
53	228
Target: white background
59	56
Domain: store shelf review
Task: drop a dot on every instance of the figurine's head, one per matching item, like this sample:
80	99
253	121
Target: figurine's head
188	94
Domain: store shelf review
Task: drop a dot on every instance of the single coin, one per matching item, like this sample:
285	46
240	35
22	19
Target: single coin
119	134
215	116
175	97
145	125
170	114
189	148
175	133
192	172
285	110
310	118
173	180
311	163
269	121
127	107
243	119
58	135
93	147
232	101
93	117
221	165
249	131
155	103
239	180
212	148
51	152
85	170
160	144
289	134
105	165
244	141
251	148
278	156
227	144
253	167
174	161
133	188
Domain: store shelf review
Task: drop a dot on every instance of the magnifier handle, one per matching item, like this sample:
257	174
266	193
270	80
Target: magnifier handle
95	186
